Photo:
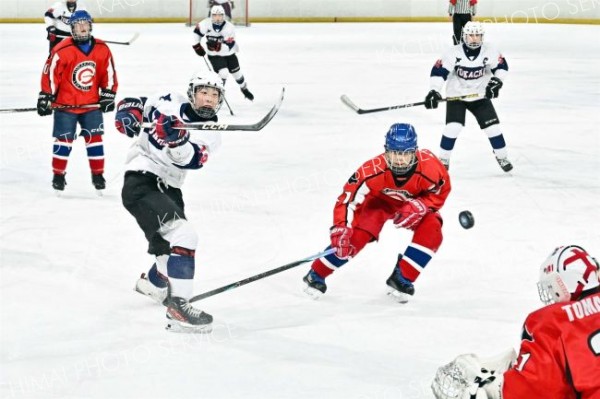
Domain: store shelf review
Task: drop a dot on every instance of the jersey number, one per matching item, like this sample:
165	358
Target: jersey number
521	364
594	342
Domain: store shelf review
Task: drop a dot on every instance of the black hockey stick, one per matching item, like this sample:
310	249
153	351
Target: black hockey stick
224	126
8	110
127	43
346	100
262	275
224	98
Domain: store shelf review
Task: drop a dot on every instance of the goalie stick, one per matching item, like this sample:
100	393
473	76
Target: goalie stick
7	110
225	126
346	100
127	43
262	275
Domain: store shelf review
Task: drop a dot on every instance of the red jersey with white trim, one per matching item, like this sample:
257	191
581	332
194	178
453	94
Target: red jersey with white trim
429	182
560	353
76	77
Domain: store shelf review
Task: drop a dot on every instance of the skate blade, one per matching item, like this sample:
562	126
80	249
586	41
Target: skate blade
179	327
58	193
397	296
99	193
313	293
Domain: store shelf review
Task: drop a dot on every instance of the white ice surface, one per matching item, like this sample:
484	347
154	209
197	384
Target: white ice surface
72	327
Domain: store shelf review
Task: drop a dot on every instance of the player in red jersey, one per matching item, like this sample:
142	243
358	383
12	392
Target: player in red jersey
560	343
404	184
79	80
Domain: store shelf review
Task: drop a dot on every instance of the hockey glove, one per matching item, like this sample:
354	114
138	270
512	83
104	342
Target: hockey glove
107	100
128	118
213	43
432	99
199	49
165	130
493	88
410	214
44	103
51	34
340	240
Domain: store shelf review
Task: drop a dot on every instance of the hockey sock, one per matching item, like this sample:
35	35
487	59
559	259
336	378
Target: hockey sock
425	243
60	155
156	278
328	264
95	153
496	140
180	268
239	78
449	136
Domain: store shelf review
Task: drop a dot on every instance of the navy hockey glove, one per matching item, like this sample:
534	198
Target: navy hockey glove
44	104
199	49
107	100
165	130
51	34
128	118
432	99
493	88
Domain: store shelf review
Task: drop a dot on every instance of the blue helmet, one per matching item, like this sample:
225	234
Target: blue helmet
77	17
401	140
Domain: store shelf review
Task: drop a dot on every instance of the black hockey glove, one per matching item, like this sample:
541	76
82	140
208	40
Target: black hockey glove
44	104
493	88
199	49
213	43
107	100
51	34
432	99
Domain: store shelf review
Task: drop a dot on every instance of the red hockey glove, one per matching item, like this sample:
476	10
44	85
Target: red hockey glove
410	214
165	130
199	49
340	240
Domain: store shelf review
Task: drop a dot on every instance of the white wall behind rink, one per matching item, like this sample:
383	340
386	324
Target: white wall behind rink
498	10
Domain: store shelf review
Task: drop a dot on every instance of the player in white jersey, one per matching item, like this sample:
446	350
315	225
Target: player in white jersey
57	20
155	171
221	47
472	67
226	4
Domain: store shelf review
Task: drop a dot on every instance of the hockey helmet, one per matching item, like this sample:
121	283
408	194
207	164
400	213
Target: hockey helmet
470	32
202	79
217	15
79	31
566	273
400	147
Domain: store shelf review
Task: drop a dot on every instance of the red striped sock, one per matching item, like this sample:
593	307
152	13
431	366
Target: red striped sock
95	152
60	155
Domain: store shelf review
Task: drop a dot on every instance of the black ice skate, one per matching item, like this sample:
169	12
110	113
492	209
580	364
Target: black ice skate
59	182
505	164
183	317
248	94
99	182
315	285
400	288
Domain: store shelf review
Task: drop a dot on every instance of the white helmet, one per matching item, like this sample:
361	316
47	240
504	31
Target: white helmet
217	10
205	79
473	28
568	271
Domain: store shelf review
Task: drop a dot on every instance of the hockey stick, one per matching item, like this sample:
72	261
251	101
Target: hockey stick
224	98
8	110
346	100
127	43
224	126
262	275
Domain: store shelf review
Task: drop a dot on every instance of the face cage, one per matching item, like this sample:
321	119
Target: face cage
79	38
472	46
400	170
450	382
205	112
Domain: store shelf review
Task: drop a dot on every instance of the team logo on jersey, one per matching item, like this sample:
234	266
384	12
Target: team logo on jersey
401	195
470	73
83	75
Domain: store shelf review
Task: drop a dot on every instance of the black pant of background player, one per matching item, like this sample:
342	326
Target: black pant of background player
458	22
152	203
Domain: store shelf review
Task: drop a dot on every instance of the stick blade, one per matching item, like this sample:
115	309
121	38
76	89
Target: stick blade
346	100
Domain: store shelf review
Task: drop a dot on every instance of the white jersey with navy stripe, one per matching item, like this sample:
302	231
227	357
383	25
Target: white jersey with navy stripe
150	153
58	16
468	71
224	35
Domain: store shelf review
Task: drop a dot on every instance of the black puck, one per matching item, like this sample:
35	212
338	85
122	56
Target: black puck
466	219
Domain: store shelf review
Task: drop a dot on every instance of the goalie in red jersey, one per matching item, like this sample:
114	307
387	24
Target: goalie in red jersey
79	83
404	184
560	343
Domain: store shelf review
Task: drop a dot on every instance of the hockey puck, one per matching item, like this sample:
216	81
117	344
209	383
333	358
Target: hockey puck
466	219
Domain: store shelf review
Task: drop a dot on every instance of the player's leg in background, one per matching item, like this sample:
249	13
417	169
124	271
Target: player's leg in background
64	129
455	121
488	121
233	66
92	129
219	65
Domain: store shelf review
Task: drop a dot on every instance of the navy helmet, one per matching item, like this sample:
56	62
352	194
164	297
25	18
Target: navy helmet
78	17
400	147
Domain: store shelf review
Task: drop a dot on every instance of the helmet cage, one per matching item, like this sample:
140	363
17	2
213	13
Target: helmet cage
79	17
198	83
473	28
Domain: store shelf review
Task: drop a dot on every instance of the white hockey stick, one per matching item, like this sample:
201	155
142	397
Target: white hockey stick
225	126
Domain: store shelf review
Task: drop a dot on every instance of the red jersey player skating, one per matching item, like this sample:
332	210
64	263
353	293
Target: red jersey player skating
79	74
405	185
560	343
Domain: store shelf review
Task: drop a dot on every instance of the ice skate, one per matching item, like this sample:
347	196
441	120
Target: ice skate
400	289
248	94
99	183
505	164
145	287
59	183
183	317
315	285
